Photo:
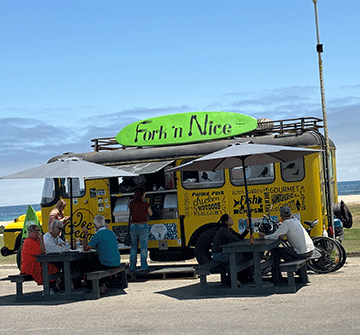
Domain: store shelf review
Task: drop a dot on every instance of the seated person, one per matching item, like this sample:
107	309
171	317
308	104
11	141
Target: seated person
33	246
225	235
52	240
105	243
301	244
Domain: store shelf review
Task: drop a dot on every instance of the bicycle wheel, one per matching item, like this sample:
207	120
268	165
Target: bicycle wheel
343	251
342	259
332	255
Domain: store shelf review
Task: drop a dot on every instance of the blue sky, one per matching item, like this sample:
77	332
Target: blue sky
81	69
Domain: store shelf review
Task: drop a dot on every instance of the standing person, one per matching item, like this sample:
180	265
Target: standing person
301	244
105	243
225	235
139	229
32	247
57	213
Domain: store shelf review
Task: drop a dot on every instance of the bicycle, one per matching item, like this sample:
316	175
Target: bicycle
333	254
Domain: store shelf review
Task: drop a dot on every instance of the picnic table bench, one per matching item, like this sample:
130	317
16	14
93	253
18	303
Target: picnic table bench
217	267
300	266
210	268
95	276
20	279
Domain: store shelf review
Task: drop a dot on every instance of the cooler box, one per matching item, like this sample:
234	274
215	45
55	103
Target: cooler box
121	210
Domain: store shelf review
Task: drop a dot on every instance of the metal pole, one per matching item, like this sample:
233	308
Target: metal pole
247	200
319	49
72	246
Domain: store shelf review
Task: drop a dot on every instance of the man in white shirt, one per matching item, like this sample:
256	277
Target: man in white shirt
301	245
52	240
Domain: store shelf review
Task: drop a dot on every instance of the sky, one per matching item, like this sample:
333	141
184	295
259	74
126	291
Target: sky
76	70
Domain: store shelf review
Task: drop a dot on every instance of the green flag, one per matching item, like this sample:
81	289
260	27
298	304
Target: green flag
30	218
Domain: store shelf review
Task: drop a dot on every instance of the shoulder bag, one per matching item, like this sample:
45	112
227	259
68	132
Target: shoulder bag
128	241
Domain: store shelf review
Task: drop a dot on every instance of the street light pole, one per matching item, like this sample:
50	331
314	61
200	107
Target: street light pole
328	163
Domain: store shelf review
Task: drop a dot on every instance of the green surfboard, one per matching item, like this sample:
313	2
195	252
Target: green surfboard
185	128
30	218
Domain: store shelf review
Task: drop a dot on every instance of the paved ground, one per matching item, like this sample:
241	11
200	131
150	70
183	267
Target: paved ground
328	305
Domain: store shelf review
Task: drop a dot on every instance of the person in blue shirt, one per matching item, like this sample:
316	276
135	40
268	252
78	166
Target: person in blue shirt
105	243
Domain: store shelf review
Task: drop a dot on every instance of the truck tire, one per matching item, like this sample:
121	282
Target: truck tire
203	246
4	251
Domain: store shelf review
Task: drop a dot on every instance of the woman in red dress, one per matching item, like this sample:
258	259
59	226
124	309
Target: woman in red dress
33	246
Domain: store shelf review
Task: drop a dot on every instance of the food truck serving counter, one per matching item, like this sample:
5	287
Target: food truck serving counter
164	206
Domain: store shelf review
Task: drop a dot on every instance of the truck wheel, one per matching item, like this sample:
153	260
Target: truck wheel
18	242
18	258
4	251
203	246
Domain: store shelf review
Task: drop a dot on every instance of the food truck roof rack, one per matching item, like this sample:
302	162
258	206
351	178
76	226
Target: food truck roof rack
265	127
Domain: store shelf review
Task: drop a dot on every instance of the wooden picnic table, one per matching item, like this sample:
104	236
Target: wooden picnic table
256	248
66	258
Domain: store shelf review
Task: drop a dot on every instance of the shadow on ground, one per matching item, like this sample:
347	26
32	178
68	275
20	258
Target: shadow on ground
216	290
36	298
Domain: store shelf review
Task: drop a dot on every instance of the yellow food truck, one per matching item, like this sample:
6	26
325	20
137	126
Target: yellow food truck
187	205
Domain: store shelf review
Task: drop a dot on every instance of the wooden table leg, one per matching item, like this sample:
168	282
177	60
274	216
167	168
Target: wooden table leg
257	271
46	284
233	274
67	277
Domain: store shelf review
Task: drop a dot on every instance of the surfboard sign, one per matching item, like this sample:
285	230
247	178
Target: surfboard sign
185	128
30	218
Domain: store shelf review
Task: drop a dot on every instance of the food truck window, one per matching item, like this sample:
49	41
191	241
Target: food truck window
202	179
293	170
332	165
255	174
78	187
48	193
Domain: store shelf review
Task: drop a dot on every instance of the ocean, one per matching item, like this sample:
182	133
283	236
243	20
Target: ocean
9	213
349	187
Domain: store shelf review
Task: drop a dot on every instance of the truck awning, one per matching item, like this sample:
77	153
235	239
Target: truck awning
144	168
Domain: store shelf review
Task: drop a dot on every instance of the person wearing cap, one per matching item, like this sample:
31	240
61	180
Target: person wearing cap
301	245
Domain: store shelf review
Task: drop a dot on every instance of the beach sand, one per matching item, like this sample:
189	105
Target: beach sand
5	223
350	199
